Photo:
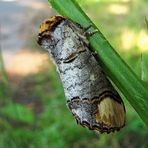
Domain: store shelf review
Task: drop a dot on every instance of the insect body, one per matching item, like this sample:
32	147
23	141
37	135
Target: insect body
90	96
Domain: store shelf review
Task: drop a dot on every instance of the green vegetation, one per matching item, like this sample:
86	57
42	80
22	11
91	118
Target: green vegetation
33	114
146	21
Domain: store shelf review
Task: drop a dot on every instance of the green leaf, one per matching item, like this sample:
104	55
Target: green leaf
144	67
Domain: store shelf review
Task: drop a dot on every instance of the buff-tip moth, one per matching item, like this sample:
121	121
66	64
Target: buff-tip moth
90	96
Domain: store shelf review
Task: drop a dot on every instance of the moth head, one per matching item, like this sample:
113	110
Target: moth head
45	35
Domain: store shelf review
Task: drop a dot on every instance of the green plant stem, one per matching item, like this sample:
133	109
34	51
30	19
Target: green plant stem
118	71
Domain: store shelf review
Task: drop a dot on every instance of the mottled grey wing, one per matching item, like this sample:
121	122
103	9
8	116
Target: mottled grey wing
90	96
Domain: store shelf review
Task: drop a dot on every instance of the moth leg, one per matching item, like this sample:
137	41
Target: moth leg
89	34
87	28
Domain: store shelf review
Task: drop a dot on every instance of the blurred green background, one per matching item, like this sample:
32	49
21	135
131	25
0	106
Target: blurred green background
33	111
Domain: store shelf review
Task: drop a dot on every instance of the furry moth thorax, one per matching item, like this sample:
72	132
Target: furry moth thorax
90	96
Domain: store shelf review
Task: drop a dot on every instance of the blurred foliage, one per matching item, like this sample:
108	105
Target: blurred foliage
146	21
34	114
3	78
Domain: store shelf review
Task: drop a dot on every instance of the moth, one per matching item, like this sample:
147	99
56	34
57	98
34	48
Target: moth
91	98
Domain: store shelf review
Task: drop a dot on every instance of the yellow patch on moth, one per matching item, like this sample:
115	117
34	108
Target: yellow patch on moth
48	24
44	26
110	113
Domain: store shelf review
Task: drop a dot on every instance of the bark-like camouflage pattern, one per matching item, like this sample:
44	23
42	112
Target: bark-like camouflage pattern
90	96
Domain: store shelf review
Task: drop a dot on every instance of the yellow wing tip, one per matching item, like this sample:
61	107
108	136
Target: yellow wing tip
111	113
